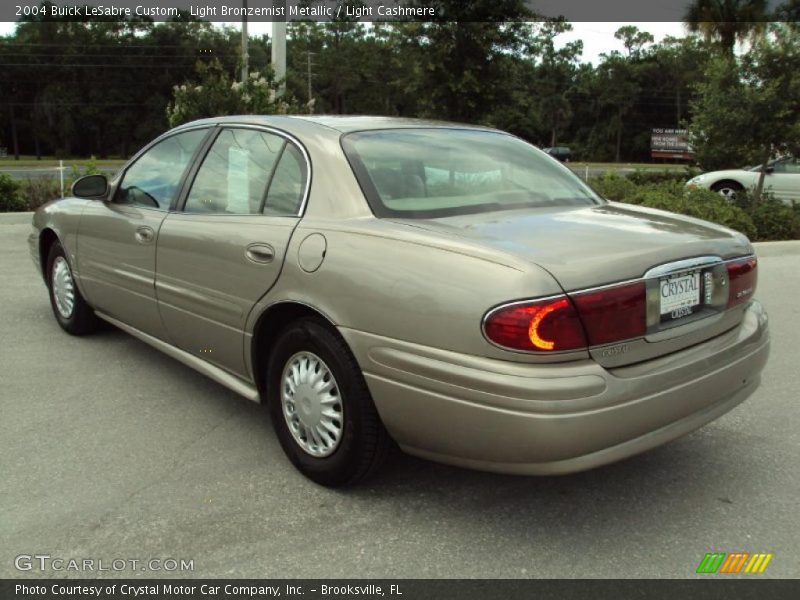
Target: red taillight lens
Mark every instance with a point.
(542, 326)
(614, 313)
(742, 277)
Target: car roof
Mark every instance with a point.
(340, 123)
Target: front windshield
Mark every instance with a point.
(436, 172)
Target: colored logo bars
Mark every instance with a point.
(735, 562)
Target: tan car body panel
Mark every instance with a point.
(409, 299)
(553, 419)
(205, 304)
(116, 272)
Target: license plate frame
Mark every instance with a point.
(680, 295)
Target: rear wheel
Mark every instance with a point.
(321, 408)
(72, 312)
(727, 189)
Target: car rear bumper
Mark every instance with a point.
(556, 418)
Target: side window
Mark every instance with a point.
(154, 178)
(286, 188)
(787, 165)
(233, 177)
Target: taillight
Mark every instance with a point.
(603, 316)
(742, 279)
(547, 325)
(613, 313)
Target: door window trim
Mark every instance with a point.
(201, 147)
(180, 205)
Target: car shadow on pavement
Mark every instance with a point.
(667, 482)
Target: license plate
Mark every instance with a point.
(679, 295)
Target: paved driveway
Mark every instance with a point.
(112, 450)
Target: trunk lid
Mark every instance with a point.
(595, 246)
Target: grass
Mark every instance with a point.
(50, 162)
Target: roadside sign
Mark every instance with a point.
(670, 143)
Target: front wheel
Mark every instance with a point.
(727, 189)
(321, 408)
(72, 312)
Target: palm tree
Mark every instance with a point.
(726, 21)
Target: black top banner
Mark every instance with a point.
(375, 10)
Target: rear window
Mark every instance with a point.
(427, 173)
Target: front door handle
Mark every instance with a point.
(260, 253)
(144, 234)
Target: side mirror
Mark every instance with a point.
(92, 187)
(770, 170)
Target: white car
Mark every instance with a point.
(782, 180)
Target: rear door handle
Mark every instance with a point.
(144, 234)
(260, 253)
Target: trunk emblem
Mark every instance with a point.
(615, 350)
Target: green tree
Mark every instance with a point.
(726, 21)
(634, 40)
(618, 90)
(676, 64)
(555, 76)
(788, 12)
(463, 71)
(747, 108)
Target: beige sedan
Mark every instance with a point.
(447, 288)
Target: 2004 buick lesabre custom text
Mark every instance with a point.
(448, 287)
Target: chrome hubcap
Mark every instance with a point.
(312, 404)
(727, 193)
(63, 287)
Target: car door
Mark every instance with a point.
(785, 179)
(224, 250)
(117, 239)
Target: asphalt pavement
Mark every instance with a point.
(112, 450)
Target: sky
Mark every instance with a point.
(598, 38)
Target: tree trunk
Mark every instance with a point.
(761, 175)
(728, 39)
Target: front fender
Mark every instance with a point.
(62, 217)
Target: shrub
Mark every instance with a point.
(775, 221)
(665, 188)
(77, 171)
(613, 186)
(217, 93)
(645, 176)
(10, 198)
(701, 204)
(39, 190)
(35, 191)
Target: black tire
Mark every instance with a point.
(82, 320)
(727, 189)
(364, 442)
